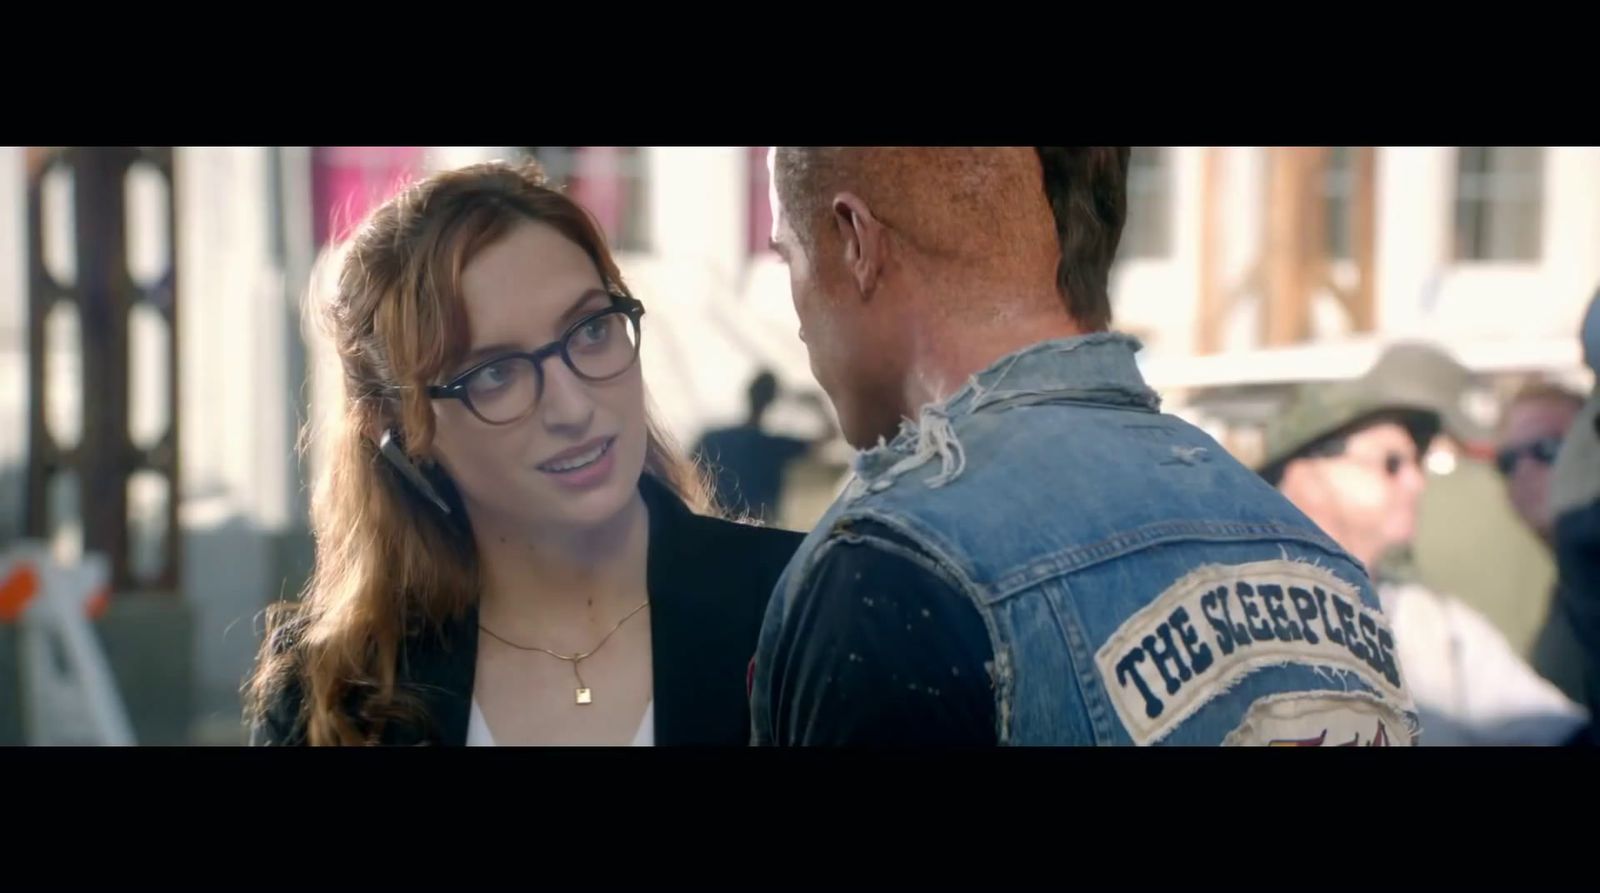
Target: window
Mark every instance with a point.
(609, 181)
(1499, 200)
(1338, 192)
(1148, 232)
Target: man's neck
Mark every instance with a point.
(948, 354)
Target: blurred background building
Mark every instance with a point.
(152, 397)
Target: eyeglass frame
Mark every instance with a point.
(456, 387)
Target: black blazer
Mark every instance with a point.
(709, 582)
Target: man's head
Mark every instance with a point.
(1362, 487)
(1589, 334)
(762, 391)
(894, 251)
(1535, 422)
(1348, 455)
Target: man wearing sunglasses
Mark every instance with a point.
(1535, 422)
(1349, 455)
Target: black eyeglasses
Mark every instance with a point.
(1544, 450)
(506, 388)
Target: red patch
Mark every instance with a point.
(16, 591)
(1380, 738)
(1299, 742)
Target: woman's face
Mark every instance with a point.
(575, 459)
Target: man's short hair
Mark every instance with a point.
(1541, 390)
(1088, 191)
(983, 207)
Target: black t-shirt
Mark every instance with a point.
(881, 648)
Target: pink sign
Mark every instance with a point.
(347, 182)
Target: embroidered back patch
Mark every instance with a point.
(1220, 623)
(1335, 719)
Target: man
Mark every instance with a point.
(748, 461)
(1030, 552)
(1535, 422)
(1570, 642)
(1349, 455)
(1476, 563)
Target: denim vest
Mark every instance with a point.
(1139, 585)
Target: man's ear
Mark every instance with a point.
(863, 238)
(1301, 485)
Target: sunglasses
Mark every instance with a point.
(1543, 450)
(1392, 462)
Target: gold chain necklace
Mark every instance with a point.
(582, 694)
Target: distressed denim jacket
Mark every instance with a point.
(1139, 585)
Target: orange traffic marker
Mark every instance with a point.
(16, 591)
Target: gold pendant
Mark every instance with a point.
(583, 696)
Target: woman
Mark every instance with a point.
(507, 547)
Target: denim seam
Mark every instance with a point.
(1077, 654)
(1078, 558)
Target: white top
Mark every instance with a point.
(1468, 683)
(478, 734)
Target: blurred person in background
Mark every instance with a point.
(1349, 454)
(748, 462)
(1536, 421)
(508, 549)
(1469, 540)
(1570, 640)
(1416, 373)
(1031, 552)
